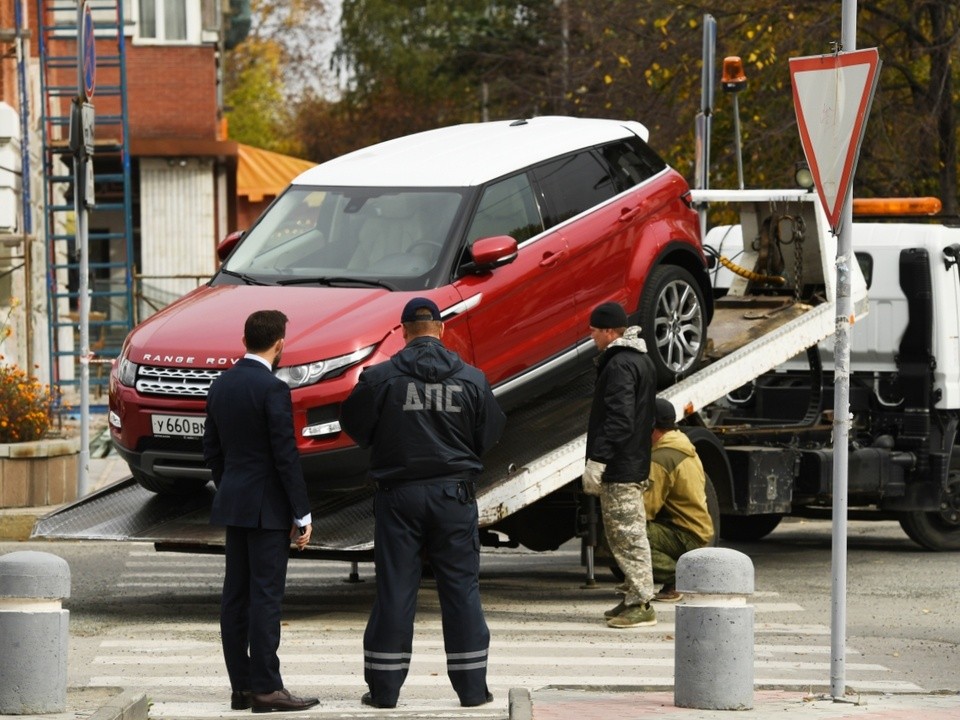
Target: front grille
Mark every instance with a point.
(177, 382)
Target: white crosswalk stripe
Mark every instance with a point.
(564, 643)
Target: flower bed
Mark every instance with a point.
(39, 472)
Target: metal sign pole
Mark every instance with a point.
(841, 412)
(81, 141)
(83, 483)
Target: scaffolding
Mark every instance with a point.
(111, 254)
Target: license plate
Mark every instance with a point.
(178, 425)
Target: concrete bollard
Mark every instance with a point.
(33, 633)
(713, 653)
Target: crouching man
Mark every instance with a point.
(675, 501)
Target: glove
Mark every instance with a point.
(593, 476)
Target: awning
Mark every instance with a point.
(261, 173)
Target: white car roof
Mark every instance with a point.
(467, 155)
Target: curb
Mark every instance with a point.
(17, 523)
(128, 705)
(519, 704)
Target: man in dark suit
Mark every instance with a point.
(261, 497)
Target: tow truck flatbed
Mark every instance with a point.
(343, 522)
(543, 446)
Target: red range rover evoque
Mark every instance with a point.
(517, 230)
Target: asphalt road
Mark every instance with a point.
(902, 602)
(149, 620)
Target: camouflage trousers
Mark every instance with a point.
(625, 525)
(667, 544)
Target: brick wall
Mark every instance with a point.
(8, 63)
(171, 92)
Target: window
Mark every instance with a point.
(163, 19)
(176, 22)
(507, 208)
(632, 162)
(574, 184)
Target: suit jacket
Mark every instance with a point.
(249, 446)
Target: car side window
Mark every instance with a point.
(507, 207)
(631, 161)
(573, 184)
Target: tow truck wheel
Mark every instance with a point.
(747, 528)
(936, 530)
(673, 322)
(168, 486)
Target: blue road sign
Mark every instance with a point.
(88, 52)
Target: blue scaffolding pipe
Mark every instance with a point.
(24, 119)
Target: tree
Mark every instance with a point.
(267, 73)
(418, 64)
(914, 135)
(257, 109)
(440, 63)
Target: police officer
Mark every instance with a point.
(427, 417)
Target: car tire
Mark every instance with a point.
(748, 528)
(673, 323)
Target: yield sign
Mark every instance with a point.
(832, 95)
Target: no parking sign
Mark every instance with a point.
(87, 51)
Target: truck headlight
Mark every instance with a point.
(126, 372)
(299, 375)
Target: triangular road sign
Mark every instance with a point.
(832, 95)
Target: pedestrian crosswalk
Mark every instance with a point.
(546, 632)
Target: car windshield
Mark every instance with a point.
(395, 235)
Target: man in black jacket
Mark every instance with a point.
(428, 418)
(618, 456)
(248, 444)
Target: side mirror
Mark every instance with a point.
(951, 255)
(227, 245)
(492, 252)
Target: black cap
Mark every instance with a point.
(607, 316)
(411, 310)
(665, 416)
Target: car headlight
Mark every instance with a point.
(127, 372)
(299, 375)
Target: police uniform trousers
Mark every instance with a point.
(438, 518)
(251, 605)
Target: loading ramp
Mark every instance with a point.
(343, 522)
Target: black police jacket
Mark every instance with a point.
(425, 414)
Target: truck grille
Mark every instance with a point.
(178, 382)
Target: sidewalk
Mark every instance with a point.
(767, 705)
(569, 704)
(93, 703)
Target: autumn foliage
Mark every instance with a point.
(25, 406)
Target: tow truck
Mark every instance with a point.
(529, 492)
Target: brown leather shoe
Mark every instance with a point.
(280, 701)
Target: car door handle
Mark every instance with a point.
(550, 258)
(627, 214)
